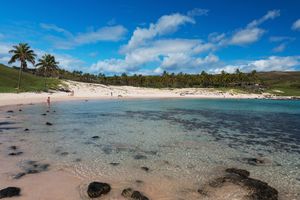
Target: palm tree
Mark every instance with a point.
(23, 54)
(47, 64)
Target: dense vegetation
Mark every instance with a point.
(30, 82)
(181, 80)
(280, 83)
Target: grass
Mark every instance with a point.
(281, 83)
(29, 83)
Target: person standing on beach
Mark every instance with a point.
(48, 102)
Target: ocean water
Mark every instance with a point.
(184, 142)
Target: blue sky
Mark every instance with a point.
(148, 37)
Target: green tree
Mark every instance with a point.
(23, 54)
(47, 65)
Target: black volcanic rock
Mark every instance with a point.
(258, 190)
(49, 124)
(10, 192)
(96, 189)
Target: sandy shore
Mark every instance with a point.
(98, 91)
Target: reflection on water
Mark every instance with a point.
(190, 141)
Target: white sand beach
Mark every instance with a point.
(98, 91)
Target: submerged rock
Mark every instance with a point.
(10, 111)
(256, 161)
(44, 114)
(95, 137)
(127, 192)
(15, 153)
(19, 175)
(240, 172)
(96, 189)
(13, 147)
(26, 129)
(10, 192)
(114, 163)
(258, 190)
(136, 195)
(49, 124)
(146, 169)
(31, 167)
(131, 194)
(140, 157)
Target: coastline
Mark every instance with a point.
(88, 91)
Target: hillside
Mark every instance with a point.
(281, 83)
(9, 81)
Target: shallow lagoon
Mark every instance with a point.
(184, 143)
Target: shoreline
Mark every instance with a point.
(64, 183)
(88, 91)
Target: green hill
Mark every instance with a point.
(30, 82)
(281, 83)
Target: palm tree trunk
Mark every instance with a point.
(20, 74)
(45, 79)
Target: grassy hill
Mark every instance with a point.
(281, 83)
(30, 82)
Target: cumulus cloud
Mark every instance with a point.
(252, 33)
(165, 25)
(147, 46)
(296, 25)
(272, 63)
(107, 33)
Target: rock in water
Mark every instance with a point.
(240, 172)
(9, 192)
(258, 190)
(140, 157)
(127, 193)
(48, 123)
(146, 169)
(136, 195)
(96, 189)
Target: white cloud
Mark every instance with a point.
(247, 36)
(165, 25)
(272, 14)
(170, 54)
(252, 33)
(197, 12)
(53, 27)
(146, 46)
(281, 38)
(296, 25)
(107, 33)
(272, 63)
(279, 48)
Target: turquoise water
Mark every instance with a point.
(188, 140)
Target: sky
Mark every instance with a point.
(151, 36)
